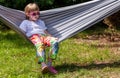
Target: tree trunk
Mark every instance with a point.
(113, 21)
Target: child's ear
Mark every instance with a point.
(27, 14)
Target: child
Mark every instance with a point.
(36, 31)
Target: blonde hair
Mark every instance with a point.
(31, 7)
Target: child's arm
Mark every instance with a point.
(23, 26)
(46, 32)
(49, 34)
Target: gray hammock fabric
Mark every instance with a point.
(67, 21)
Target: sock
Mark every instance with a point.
(49, 63)
(43, 64)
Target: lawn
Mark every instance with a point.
(88, 54)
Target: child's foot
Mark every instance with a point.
(45, 69)
(52, 70)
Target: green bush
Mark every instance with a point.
(44, 4)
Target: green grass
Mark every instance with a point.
(76, 59)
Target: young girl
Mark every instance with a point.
(36, 31)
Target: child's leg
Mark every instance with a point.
(53, 50)
(38, 42)
(53, 43)
(54, 47)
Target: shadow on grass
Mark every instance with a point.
(14, 38)
(75, 67)
(117, 45)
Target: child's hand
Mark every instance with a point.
(56, 38)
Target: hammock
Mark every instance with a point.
(67, 21)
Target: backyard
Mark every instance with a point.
(93, 53)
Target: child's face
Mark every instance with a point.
(34, 15)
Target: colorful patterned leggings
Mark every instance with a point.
(41, 42)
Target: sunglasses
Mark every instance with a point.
(35, 13)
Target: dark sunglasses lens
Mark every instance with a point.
(34, 14)
(38, 13)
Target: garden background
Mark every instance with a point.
(93, 53)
